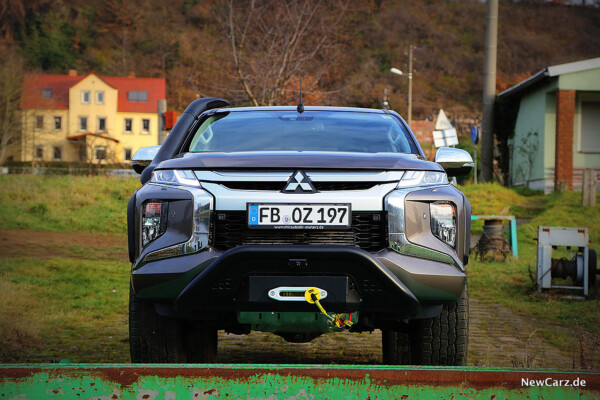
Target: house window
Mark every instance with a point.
(57, 153)
(57, 123)
(85, 97)
(128, 124)
(127, 155)
(83, 124)
(39, 122)
(99, 97)
(39, 152)
(101, 124)
(145, 126)
(100, 153)
(47, 93)
(137, 95)
(590, 123)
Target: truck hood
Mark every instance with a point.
(299, 160)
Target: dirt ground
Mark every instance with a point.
(498, 336)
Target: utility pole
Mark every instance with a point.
(489, 92)
(410, 75)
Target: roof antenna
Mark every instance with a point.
(300, 107)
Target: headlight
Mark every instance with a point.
(175, 178)
(154, 221)
(422, 178)
(443, 222)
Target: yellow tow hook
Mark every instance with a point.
(313, 295)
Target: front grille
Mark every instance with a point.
(368, 231)
(320, 186)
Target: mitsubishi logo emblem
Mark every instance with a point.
(299, 183)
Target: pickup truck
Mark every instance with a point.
(298, 221)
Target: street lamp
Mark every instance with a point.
(409, 76)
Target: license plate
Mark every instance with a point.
(299, 216)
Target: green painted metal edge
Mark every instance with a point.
(273, 382)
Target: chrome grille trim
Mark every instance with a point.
(284, 176)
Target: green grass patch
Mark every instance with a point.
(512, 283)
(48, 306)
(65, 203)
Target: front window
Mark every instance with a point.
(57, 153)
(128, 124)
(39, 122)
(337, 131)
(83, 124)
(101, 124)
(85, 97)
(39, 152)
(145, 126)
(58, 123)
(100, 153)
(99, 97)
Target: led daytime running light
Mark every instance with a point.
(175, 177)
(422, 178)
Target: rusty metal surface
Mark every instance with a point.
(215, 381)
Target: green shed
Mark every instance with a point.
(557, 127)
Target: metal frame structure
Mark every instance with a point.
(550, 237)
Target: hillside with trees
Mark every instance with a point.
(255, 51)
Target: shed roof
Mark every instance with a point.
(552, 71)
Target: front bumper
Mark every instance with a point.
(211, 281)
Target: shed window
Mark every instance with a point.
(590, 127)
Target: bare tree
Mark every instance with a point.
(11, 67)
(274, 41)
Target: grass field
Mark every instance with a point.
(65, 204)
(78, 285)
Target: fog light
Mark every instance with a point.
(443, 222)
(154, 221)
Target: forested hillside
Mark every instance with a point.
(254, 51)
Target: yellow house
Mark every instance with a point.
(91, 118)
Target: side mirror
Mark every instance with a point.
(456, 162)
(143, 157)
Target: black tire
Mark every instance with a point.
(201, 344)
(395, 347)
(157, 339)
(442, 340)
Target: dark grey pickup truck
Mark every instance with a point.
(300, 222)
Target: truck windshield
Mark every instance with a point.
(310, 131)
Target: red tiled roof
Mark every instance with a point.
(33, 84)
(154, 86)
